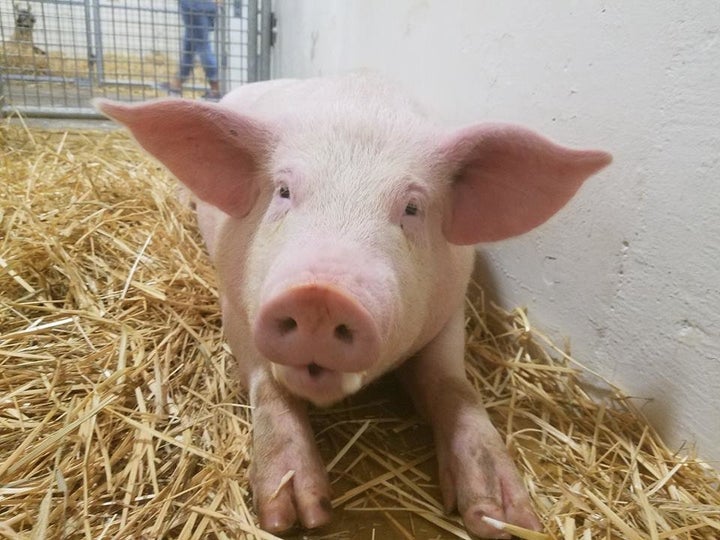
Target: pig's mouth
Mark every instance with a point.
(319, 385)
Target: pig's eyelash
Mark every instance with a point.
(412, 209)
(415, 198)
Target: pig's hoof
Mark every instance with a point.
(310, 509)
(478, 477)
(289, 481)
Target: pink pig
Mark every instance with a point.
(341, 223)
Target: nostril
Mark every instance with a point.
(344, 334)
(286, 325)
(314, 370)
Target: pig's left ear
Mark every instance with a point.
(215, 152)
(508, 180)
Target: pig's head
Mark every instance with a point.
(344, 235)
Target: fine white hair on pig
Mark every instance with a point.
(341, 223)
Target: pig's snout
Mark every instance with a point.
(319, 329)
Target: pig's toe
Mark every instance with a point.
(302, 497)
(521, 515)
(498, 493)
(292, 504)
(519, 511)
(314, 508)
(277, 514)
(475, 524)
(478, 499)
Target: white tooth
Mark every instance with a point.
(351, 382)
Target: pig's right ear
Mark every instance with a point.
(215, 152)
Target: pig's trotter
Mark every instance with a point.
(288, 478)
(477, 475)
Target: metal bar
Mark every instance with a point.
(76, 41)
(221, 33)
(51, 89)
(89, 41)
(51, 112)
(265, 37)
(99, 51)
(252, 50)
(40, 78)
(4, 61)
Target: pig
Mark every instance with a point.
(342, 222)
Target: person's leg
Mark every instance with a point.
(188, 50)
(205, 51)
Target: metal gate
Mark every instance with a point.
(58, 54)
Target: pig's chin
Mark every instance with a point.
(321, 388)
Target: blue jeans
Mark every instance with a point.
(199, 19)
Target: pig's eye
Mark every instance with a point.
(411, 209)
(284, 192)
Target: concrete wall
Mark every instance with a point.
(629, 271)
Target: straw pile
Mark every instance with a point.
(145, 72)
(20, 57)
(120, 417)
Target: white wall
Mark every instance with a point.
(629, 271)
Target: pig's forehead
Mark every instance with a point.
(342, 165)
(381, 147)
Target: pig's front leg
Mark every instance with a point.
(477, 475)
(287, 476)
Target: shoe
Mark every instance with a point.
(210, 95)
(173, 92)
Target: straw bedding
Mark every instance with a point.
(20, 55)
(120, 416)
